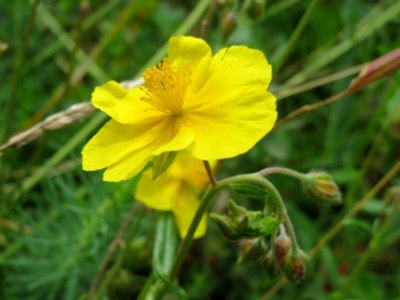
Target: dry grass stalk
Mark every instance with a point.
(73, 114)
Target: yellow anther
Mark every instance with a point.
(165, 87)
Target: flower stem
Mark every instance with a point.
(280, 170)
(281, 208)
(187, 241)
(145, 290)
(339, 226)
(255, 178)
(210, 174)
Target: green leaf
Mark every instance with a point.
(162, 162)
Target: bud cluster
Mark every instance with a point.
(241, 223)
(283, 258)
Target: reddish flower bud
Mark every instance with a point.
(377, 69)
(295, 266)
(270, 265)
(251, 249)
(282, 247)
(228, 24)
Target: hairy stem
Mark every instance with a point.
(280, 170)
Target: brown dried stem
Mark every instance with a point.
(71, 115)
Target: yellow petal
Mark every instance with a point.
(184, 208)
(157, 194)
(115, 140)
(176, 137)
(127, 167)
(124, 106)
(189, 170)
(184, 49)
(229, 70)
(233, 128)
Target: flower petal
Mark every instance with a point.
(127, 167)
(233, 128)
(184, 208)
(229, 70)
(116, 140)
(189, 170)
(157, 194)
(184, 49)
(124, 106)
(176, 137)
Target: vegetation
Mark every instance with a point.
(66, 234)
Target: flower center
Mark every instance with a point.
(165, 87)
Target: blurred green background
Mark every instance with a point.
(57, 222)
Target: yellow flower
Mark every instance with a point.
(213, 106)
(176, 190)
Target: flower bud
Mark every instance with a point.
(320, 186)
(295, 266)
(248, 189)
(282, 247)
(254, 8)
(251, 249)
(236, 210)
(3, 47)
(270, 265)
(227, 24)
(226, 226)
(376, 69)
(224, 4)
(241, 223)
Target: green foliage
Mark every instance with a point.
(71, 224)
(57, 223)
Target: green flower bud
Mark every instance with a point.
(251, 249)
(236, 210)
(225, 224)
(320, 186)
(228, 24)
(248, 189)
(282, 246)
(295, 266)
(254, 8)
